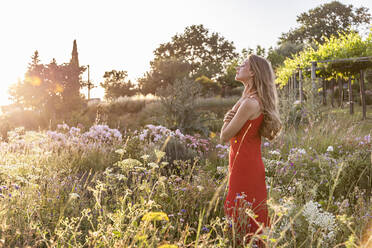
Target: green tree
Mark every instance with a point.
(206, 53)
(51, 89)
(32, 92)
(209, 87)
(163, 72)
(285, 50)
(116, 85)
(326, 20)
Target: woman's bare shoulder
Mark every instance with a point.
(252, 105)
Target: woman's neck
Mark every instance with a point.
(249, 91)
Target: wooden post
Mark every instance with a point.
(357, 81)
(362, 95)
(295, 86)
(300, 84)
(324, 91)
(313, 77)
(332, 91)
(350, 96)
(341, 92)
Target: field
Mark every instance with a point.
(154, 187)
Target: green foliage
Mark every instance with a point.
(347, 45)
(285, 50)
(206, 53)
(116, 85)
(51, 89)
(179, 102)
(209, 87)
(327, 20)
(176, 150)
(164, 71)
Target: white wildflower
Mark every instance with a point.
(74, 196)
(330, 149)
(316, 216)
(274, 152)
(200, 188)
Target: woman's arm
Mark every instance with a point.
(225, 124)
(231, 128)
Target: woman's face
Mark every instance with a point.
(244, 72)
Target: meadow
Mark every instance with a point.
(97, 186)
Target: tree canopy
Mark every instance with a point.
(194, 53)
(51, 89)
(116, 85)
(327, 20)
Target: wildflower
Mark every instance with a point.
(200, 188)
(145, 157)
(205, 229)
(74, 196)
(153, 165)
(155, 216)
(159, 154)
(183, 210)
(266, 144)
(274, 152)
(315, 216)
(120, 151)
(128, 163)
(301, 151)
(330, 149)
(367, 138)
(168, 246)
(212, 135)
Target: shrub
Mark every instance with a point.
(179, 103)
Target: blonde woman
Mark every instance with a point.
(255, 115)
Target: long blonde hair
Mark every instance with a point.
(264, 82)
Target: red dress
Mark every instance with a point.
(247, 186)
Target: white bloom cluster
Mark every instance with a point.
(222, 170)
(330, 149)
(274, 152)
(317, 217)
(296, 154)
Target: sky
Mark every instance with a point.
(122, 35)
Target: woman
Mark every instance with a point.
(254, 115)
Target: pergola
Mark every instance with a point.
(352, 66)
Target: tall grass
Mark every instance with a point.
(139, 192)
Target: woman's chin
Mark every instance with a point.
(237, 78)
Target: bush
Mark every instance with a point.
(179, 104)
